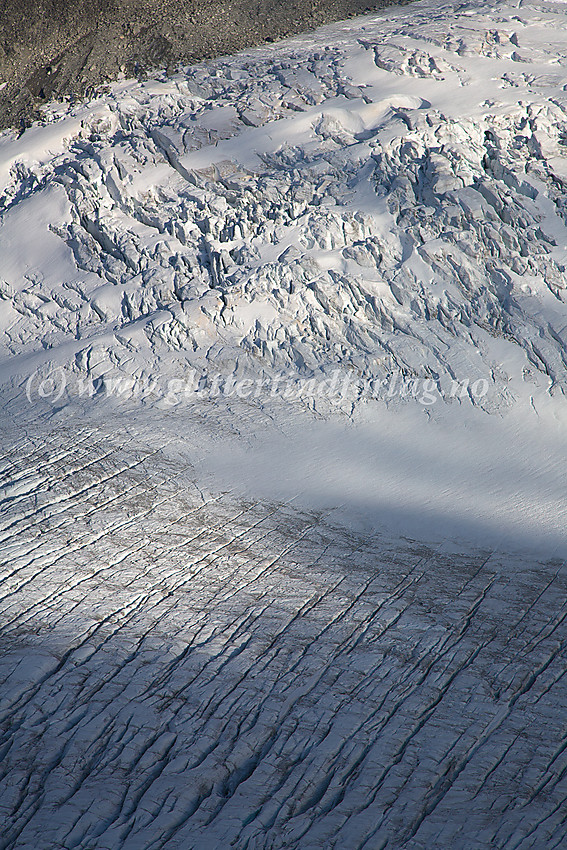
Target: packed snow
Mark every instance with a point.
(283, 340)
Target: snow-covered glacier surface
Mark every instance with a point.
(282, 372)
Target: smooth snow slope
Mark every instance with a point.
(282, 372)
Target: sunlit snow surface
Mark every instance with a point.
(309, 619)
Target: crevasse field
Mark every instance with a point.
(283, 349)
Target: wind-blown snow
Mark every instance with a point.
(328, 275)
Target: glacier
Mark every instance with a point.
(282, 502)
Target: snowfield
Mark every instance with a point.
(283, 342)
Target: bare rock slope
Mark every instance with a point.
(55, 48)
